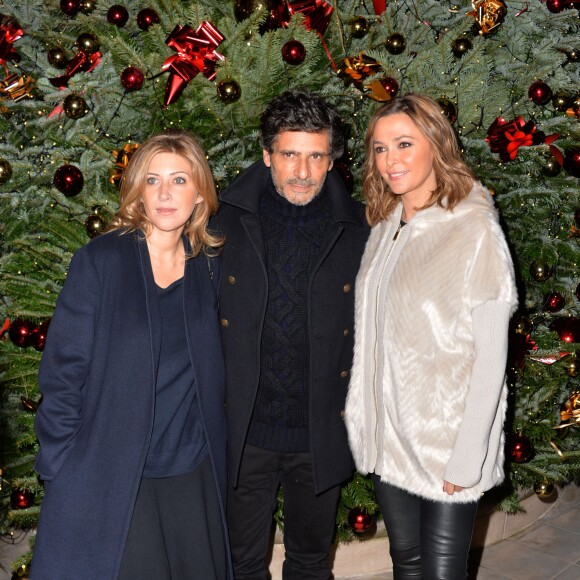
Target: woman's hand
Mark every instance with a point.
(451, 488)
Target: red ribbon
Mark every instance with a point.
(82, 62)
(317, 13)
(506, 137)
(195, 54)
(380, 6)
(10, 32)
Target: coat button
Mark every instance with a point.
(231, 280)
(346, 288)
(344, 374)
(224, 322)
(346, 332)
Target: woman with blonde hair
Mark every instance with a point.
(434, 296)
(132, 425)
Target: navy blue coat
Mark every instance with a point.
(330, 303)
(97, 379)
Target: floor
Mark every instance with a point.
(547, 550)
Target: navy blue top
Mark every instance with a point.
(178, 444)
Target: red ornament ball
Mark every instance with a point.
(572, 162)
(359, 520)
(20, 331)
(21, 499)
(38, 335)
(293, 52)
(555, 6)
(390, 85)
(117, 15)
(132, 78)
(554, 302)
(70, 7)
(567, 327)
(147, 18)
(68, 179)
(521, 449)
(540, 92)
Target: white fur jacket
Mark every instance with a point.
(412, 414)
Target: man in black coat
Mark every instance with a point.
(294, 239)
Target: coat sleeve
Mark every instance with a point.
(475, 436)
(65, 365)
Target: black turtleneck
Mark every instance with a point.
(293, 235)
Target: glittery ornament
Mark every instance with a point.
(132, 78)
(544, 489)
(229, 91)
(359, 27)
(359, 520)
(74, 106)
(460, 46)
(521, 449)
(69, 180)
(87, 43)
(70, 7)
(293, 52)
(540, 270)
(20, 331)
(396, 43)
(539, 92)
(117, 15)
(147, 18)
(5, 171)
(57, 57)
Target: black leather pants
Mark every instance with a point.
(429, 540)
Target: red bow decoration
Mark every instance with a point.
(10, 32)
(82, 62)
(380, 6)
(506, 137)
(195, 54)
(317, 13)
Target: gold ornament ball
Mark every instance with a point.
(87, 43)
(523, 325)
(573, 366)
(57, 57)
(396, 43)
(359, 27)
(74, 106)
(460, 46)
(5, 171)
(544, 489)
(229, 91)
(551, 167)
(540, 271)
(562, 101)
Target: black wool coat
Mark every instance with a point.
(330, 306)
(97, 378)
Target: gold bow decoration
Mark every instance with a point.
(122, 157)
(488, 14)
(570, 411)
(16, 88)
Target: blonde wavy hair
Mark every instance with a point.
(131, 214)
(454, 178)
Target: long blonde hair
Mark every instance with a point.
(454, 178)
(131, 214)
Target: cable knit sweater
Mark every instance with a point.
(421, 409)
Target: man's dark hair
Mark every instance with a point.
(301, 111)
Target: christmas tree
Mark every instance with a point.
(85, 81)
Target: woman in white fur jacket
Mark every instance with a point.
(434, 296)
